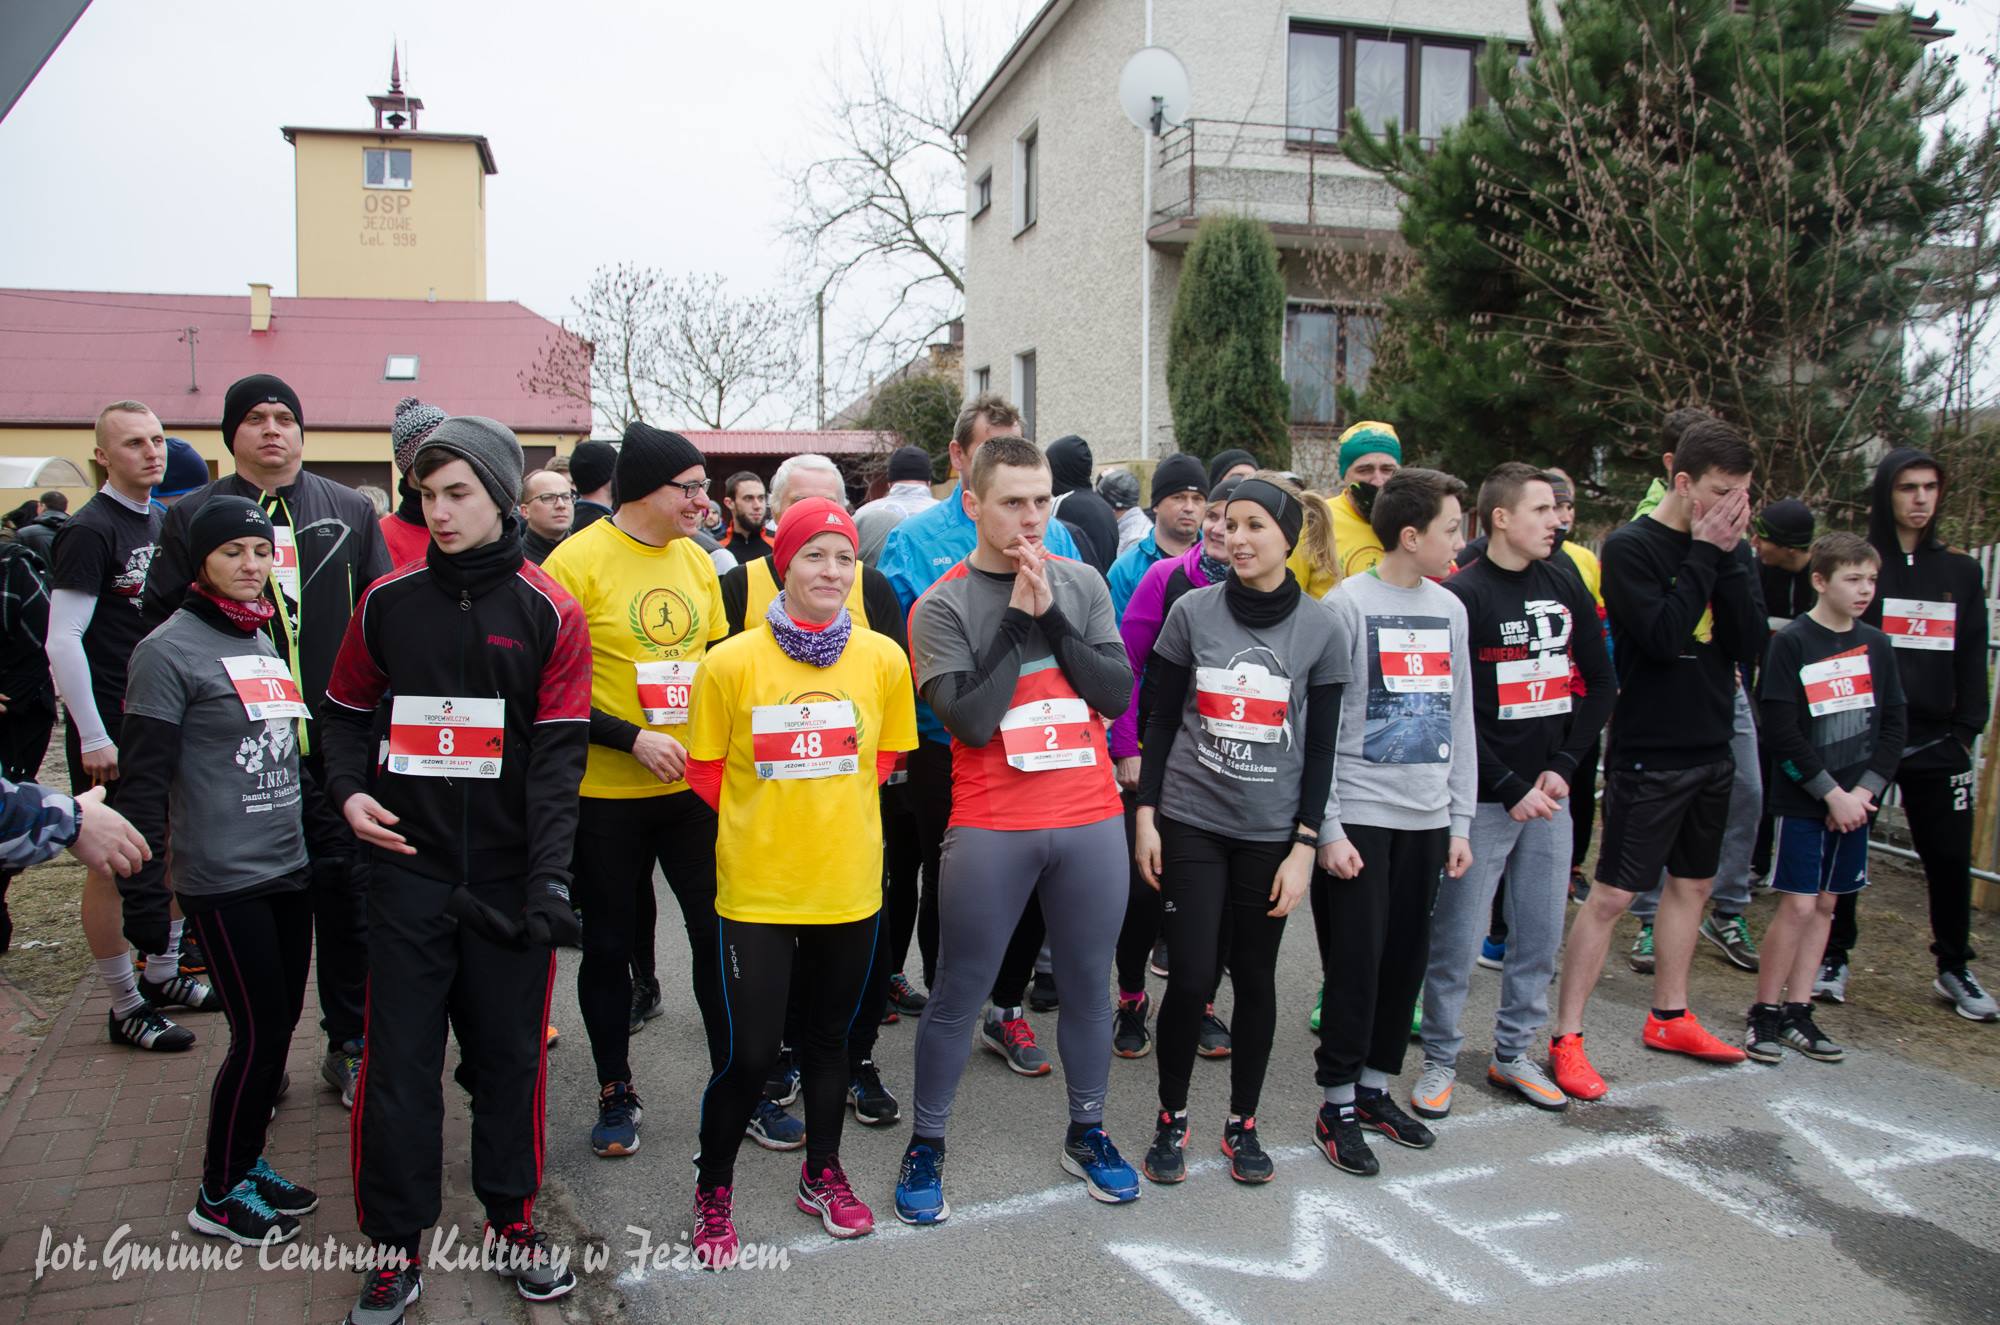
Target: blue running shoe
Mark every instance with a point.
(281, 1193)
(1103, 1170)
(1492, 953)
(618, 1117)
(774, 1129)
(920, 1187)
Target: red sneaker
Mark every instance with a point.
(1572, 1070)
(1686, 1035)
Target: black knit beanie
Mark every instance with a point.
(908, 464)
(649, 460)
(1179, 473)
(246, 394)
(222, 519)
(591, 465)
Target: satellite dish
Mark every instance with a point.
(1153, 89)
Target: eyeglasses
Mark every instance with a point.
(698, 488)
(556, 499)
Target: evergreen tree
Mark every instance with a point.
(921, 409)
(1225, 371)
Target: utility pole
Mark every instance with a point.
(188, 336)
(819, 320)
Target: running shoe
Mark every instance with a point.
(1732, 935)
(145, 1027)
(1214, 1041)
(1686, 1035)
(1801, 1032)
(243, 1216)
(1042, 996)
(873, 1105)
(889, 1015)
(618, 1113)
(1830, 986)
(1640, 958)
(1312, 1022)
(646, 1004)
(1166, 1158)
(1761, 1028)
(1492, 953)
(1579, 887)
(551, 1037)
(829, 1196)
(1247, 1161)
(1014, 1040)
(341, 1069)
(714, 1237)
(1431, 1096)
(782, 1086)
(1572, 1070)
(1378, 1112)
(903, 996)
(385, 1293)
(920, 1187)
(1339, 1136)
(1106, 1175)
(520, 1252)
(193, 961)
(1524, 1076)
(181, 991)
(1962, 990)
(774, 1129)
(1129, 1036)
(1158, 964)
(281, 1193)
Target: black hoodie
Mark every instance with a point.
(1944, 687)
(1089, 517)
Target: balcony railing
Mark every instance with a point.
(1285, 174)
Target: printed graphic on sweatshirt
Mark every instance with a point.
(263, 758)
(1840, 702)
(131, 578)
(1409, 691)
(1246, 718)
(1531, 663)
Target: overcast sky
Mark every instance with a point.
(146, 155)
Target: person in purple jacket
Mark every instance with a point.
(1145, 615)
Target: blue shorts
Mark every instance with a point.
(1813, 859)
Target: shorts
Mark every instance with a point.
(1666, 818)
(1813, 859)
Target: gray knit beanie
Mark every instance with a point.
(414, 421)
(489, 446)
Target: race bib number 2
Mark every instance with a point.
(804, 740)
(265, 687)
(434, 736)
(1839, 683)
(1912, 623)
(1415, 661)
(1046, 734)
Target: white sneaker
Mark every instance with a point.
(1431, 1096)
(1830, 986)
(1962, 990)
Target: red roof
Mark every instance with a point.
(831, 442)
(64, 354)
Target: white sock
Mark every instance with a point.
(1373, 1080)
(1339, 1096)
(116, 972)
(997, 1015)
(165, 965)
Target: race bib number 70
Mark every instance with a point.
(265, 686)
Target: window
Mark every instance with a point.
(982, 193)
(386, 167)
(1428, 83)
(982, 381)
(1027, 178)
(400, 368)
(1024, 392)
(1325, 348)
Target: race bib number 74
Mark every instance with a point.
(1912, 623)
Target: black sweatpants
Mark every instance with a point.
(1583, 805)
(930, 803)
(902, 863)
(754, 964)
(258, 951)
(1141, 929)
(1215, 895)
(1374, 943)
(339, 889)
(645, 931)
(617, 844)
(1938, 805)
(424, 970)
(874, 1001)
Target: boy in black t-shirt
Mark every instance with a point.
(1835, 722)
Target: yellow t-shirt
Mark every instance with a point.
(645, 604)
(792, 848)
(1354, 540)
(1314, 582)
(1589, 568)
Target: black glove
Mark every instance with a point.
(548, 919)
(487, 922)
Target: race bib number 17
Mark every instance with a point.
(1536, 687)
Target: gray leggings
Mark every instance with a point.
(983, 885)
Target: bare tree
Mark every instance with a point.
(604, 354)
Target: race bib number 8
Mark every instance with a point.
(664, 688)
(432, 736)
(804, 740)
(1912, 623)
(265, 687)
(1839, 683)
(1047, 734)
(1243, 703)
(1536, 687)
(1415, 661)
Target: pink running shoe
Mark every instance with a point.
(838, 1208)
(714, 1233)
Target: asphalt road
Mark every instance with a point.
(1864, 1191)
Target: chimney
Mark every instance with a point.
(260, 307)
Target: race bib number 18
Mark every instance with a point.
(1046, 734)
(265, 687)
(804, 740)
(1911, 623)
(432, 736)
(1415, 661)
(1839, 683)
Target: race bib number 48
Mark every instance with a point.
(1415, 661)
(1534, 687)
(432, 736)
(1048, 733)
(265, 687)
(1912, 623)
(1839, 683)
(1241, 703)
(664, 688)
(804, 740)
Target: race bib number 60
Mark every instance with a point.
(434, 736)
(664, 688)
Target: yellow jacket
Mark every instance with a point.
(1354, 541)
(1588, 568)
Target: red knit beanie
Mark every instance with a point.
(805, 520)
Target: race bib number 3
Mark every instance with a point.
(804, 740)
(1839, 683)
(1912, 623)
(432, 736)
(1243, 703)
(1047, 734)
(1415, 661)
(664, 688)
(1536, 687)
(265, 687)
(285, 561)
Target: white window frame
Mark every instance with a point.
(390, 180)
(1027, 376)
(982, 194)
(1027, 177)
(391, 367)
(982, 381)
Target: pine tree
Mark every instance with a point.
(1225, 373)
(921, 410)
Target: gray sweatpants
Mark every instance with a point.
(1739, 837)
(1535, 858)
(983, 885)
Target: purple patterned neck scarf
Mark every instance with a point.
(821, 648)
